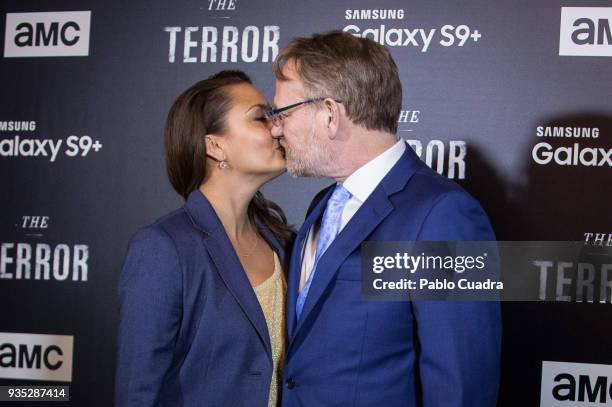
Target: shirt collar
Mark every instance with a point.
(362, 182)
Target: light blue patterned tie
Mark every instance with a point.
(329, 230)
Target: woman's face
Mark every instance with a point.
(248, 144)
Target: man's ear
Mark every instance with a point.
(214, 147)
(332, 119)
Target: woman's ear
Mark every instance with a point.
(214, 147)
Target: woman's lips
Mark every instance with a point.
(280, 148)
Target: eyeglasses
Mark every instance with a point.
(278, 115)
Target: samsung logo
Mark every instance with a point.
(567, 132)
(17, 125)
(375, 14)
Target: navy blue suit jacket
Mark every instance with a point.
(344, 351)
(192, 332)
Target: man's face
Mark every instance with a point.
(307, 154)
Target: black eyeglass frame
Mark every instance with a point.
(275, 114)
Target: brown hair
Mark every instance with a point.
(358, 71)
(198, 111)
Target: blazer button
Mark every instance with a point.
(290, 383)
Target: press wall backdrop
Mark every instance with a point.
(512, 100)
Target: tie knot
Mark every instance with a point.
(340, 194)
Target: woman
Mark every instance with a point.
(202, 291)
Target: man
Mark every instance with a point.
(340, 99)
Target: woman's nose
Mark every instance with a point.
(276, 131)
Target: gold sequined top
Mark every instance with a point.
(272, 296)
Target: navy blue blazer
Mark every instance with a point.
(344, 351)
(191, 332)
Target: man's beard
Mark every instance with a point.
(310, 160)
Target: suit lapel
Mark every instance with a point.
(371, 213)
(228, 265)
(229, 268)
(295, 269)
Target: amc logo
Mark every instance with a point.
(586, 31)
(36, 357)
(47, 34)
(575, 384)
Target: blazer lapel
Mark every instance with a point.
(227, 263)
(371, 213)
(295, 268)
